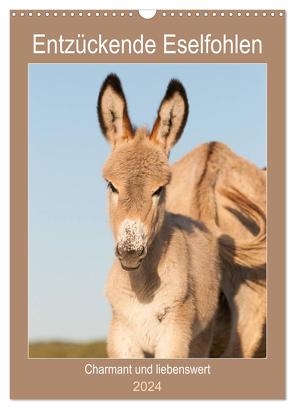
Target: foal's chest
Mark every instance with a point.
(146, 321)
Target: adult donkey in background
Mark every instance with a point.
(240, 329)
(165, 283)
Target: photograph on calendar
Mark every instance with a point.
(147, 210)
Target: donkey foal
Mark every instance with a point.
(165, 281)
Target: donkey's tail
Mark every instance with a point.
(249, 254)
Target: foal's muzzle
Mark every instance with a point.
(130, 259)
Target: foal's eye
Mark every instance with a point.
(112, 187)
(158, 191)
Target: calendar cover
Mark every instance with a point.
(147, 204)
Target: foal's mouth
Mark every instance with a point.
(130, 260)
(128, 268)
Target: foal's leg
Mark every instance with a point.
(121, 342)
(250, 306)
(201, 343)
(176, 333)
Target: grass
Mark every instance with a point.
(96, 349)
(57, 349)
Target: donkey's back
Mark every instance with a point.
(197, 179)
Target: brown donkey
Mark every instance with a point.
(164, 285)
(206, 170)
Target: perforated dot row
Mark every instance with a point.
(163, 13)
(222, 14)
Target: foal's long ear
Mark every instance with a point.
(172, 116)
(112, 111)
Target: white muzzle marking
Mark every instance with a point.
(132, 236)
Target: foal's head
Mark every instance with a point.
(137, 169)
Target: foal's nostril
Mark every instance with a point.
(140, 251)
(118, 251)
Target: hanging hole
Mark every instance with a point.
(147, 14)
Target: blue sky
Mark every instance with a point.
(70, 242)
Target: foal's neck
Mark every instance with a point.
(147, 279)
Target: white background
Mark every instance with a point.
(4, 194)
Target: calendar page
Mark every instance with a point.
(147, 204)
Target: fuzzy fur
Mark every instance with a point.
(239, 221)
(165, 302)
